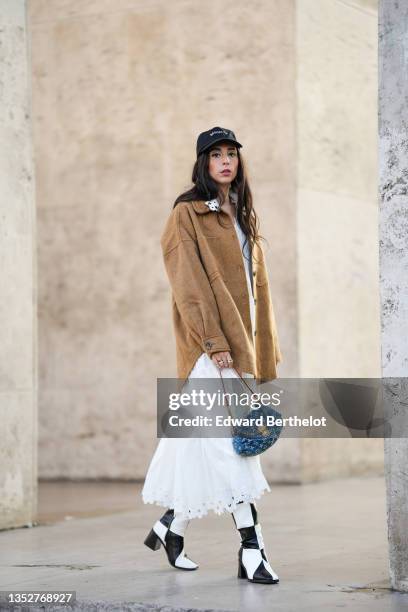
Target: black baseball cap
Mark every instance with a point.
(216, 134)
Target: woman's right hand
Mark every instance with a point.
(223, 360)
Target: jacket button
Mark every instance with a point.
(208, 344)
(255, 301)
(255, 333)
(253, 273)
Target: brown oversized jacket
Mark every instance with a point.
(210, 302)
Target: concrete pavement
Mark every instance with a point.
(327, 541)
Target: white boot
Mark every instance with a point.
(169, 531)
(252, 560)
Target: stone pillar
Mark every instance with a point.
(18, 345)
(393, 156)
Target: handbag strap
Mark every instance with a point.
(223, 386)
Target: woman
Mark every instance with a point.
(224, 322)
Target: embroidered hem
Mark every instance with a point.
(220, 505)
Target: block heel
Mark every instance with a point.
(241, 569)
(153, 541)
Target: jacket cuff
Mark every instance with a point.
(215, 344)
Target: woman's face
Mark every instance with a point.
(223, 163)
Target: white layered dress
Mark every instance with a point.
(195, 475)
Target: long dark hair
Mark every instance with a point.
(205, 188)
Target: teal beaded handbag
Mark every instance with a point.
(253, 439)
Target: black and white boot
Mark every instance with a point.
(169, 531)
(253, 563)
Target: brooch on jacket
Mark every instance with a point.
(215, 205)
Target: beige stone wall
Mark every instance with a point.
(121, 89)
(18, 310)
(338, 271)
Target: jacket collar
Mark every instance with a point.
(204, 206)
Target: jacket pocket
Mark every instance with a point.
(210, 236)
